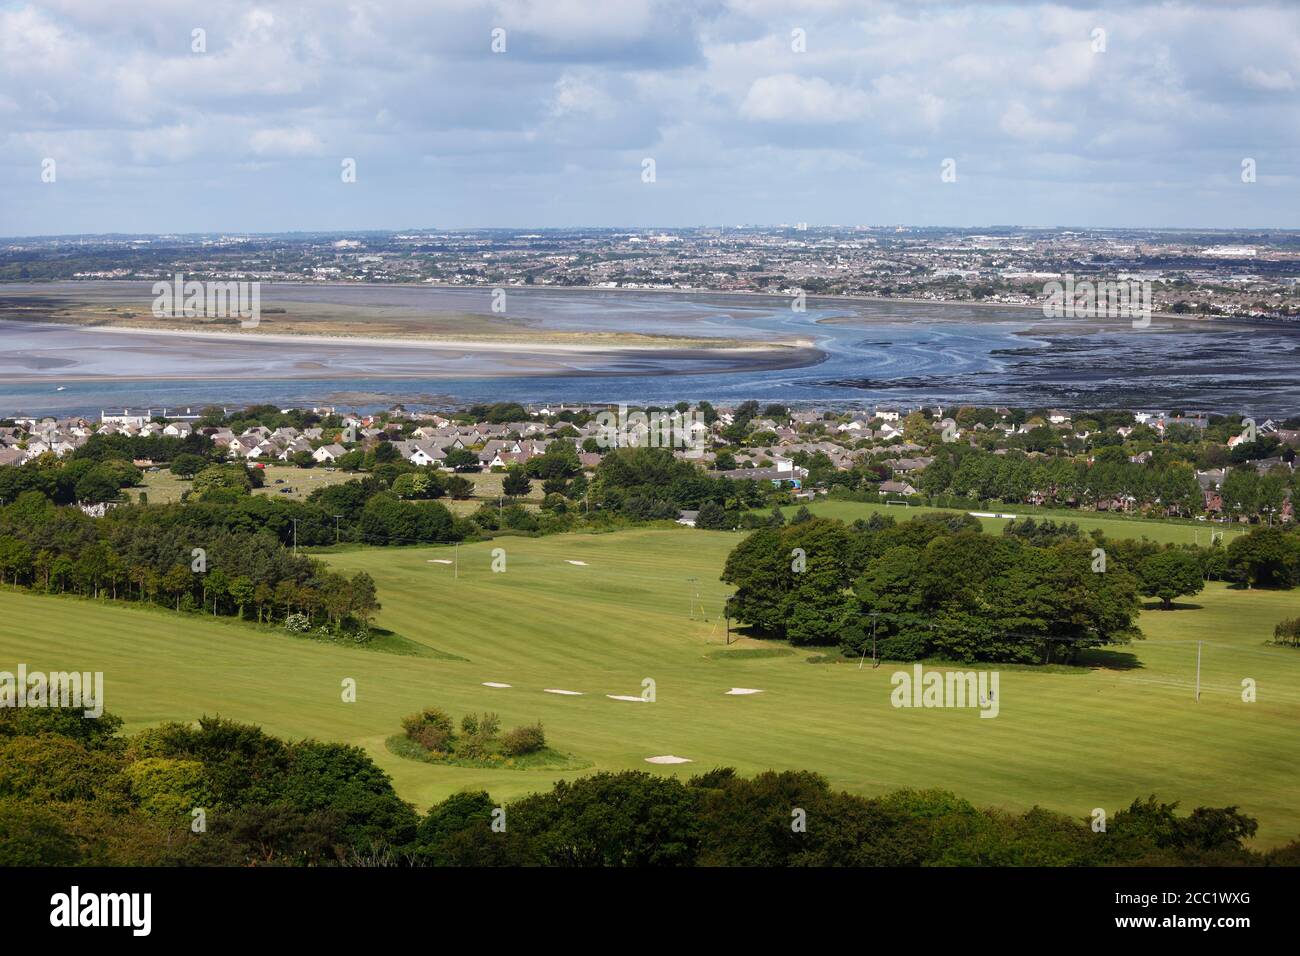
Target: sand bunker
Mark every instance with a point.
(580, 563)
(638, 700)
(667, 758)
(737, 691)
(492, 683)
(567, 693)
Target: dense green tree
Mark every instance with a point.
(713, 517)
(186, 466)
(222, 477)
(628, 819)
(35, 835)
(1266, 557)
(936, 584)
(516, 483)
(1170, 574)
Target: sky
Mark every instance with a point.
(172, 116)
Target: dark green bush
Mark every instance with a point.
(523, 740)
(431, 728)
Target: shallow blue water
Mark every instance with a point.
(898, 352)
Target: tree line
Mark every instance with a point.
(1159, 486)
(937, 586)
(220, 793)
(164, 556)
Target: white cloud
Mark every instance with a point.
(1020, 123)
(167, 144)
(287, 142)
(795, 99)
(1273, 81)
(1183, 90)
(574, 95)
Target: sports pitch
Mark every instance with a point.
(598, 614)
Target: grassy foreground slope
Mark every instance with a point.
(1070, 740)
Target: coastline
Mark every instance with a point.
(749, 293)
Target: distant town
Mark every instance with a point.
(1249, 274)
(1157, 463)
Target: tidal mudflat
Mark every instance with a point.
(566, 345)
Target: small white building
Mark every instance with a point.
(329, 453)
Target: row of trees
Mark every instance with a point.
(931, 586)
(75, 792)
(67, 482)
(650, 483)
(157, 555)
(630, 484)
(1015, 477)
(938, 586)
(1166, 487)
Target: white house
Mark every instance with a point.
(329, 453)
(128, 417)
(293, 448)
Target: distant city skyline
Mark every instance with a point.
(631, 229)
(118, 117)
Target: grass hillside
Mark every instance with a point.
(1069, 739)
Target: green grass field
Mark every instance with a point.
(163, 487)
(1070, 740)
(1114, 526)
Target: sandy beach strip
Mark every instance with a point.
(522, 344)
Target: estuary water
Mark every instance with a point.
(845, 351)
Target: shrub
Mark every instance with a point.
(477, 734)
(523, 740)
(1287, 632)
(31, 835)
(713, 517)
(907, 646)
(431, 728)
(166, 787)
(297, 623)
(354, 630)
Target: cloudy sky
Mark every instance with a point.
(753, 111)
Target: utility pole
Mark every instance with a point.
(875, 661)
(336, 528)
(295, 536)
(1198, 672)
